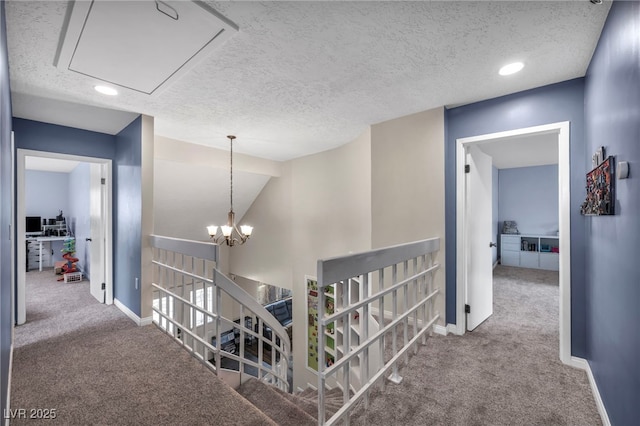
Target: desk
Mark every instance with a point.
(41, 240)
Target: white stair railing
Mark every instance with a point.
(396, 286)
(201, 309)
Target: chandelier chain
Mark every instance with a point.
(231, 172)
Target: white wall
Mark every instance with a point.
(385, 187)
(191, 189)
(332, 216)
(319, 207)
(407, 184)
(268, 256)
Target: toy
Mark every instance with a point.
(68, 250)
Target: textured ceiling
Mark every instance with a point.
(304, 77)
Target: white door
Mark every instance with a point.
(479, 282)
(96, 246)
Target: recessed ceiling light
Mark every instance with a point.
(511, 68)
(106, 90)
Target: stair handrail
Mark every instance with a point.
(218, 281)
(417, 268)
(244, 298)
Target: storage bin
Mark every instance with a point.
(73, 277)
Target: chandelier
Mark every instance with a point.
(229, 233)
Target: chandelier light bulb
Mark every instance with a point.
(226, 230)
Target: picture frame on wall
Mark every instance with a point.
(601, 198)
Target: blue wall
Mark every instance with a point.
(78, 215)
(46, 137)
(124, 149)
(6, 319)
(544, 105)
(46, 193)
(612, 113)
(128, 204)
(529, 195)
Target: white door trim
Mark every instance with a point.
(21, 314)
(564, 192)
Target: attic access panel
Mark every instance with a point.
(141, 45)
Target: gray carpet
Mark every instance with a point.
(506, 372)
(288, 409)
(94, 366)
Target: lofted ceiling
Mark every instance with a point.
(303, 77)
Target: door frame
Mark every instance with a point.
(564, 222)
(20, 295)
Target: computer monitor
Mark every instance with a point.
(33, 225)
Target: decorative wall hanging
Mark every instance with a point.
(601, 198)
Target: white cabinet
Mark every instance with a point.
(33, 254)
(510, 250)
(550, 261)
(530, 251)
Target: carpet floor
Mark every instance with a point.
(506, 372)
(94, 366)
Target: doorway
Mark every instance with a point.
(465, 237)
(99, 240)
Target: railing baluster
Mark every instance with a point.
(173, 269)
(395, 377)
(381, 321)
(414, 286)
(405, 307)
(346, 337)
(423, 293)
(365, 333)
(429, 285)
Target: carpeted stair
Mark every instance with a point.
(287, 409)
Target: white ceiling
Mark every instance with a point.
(49, 164)
(523, 151)
(304, 77)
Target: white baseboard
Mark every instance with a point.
(453, 329)
(146, 321)
(583, 364)
(440, 329)
(128, 312)
(495, 264)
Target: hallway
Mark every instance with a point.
(93, 365)
(506, 372)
